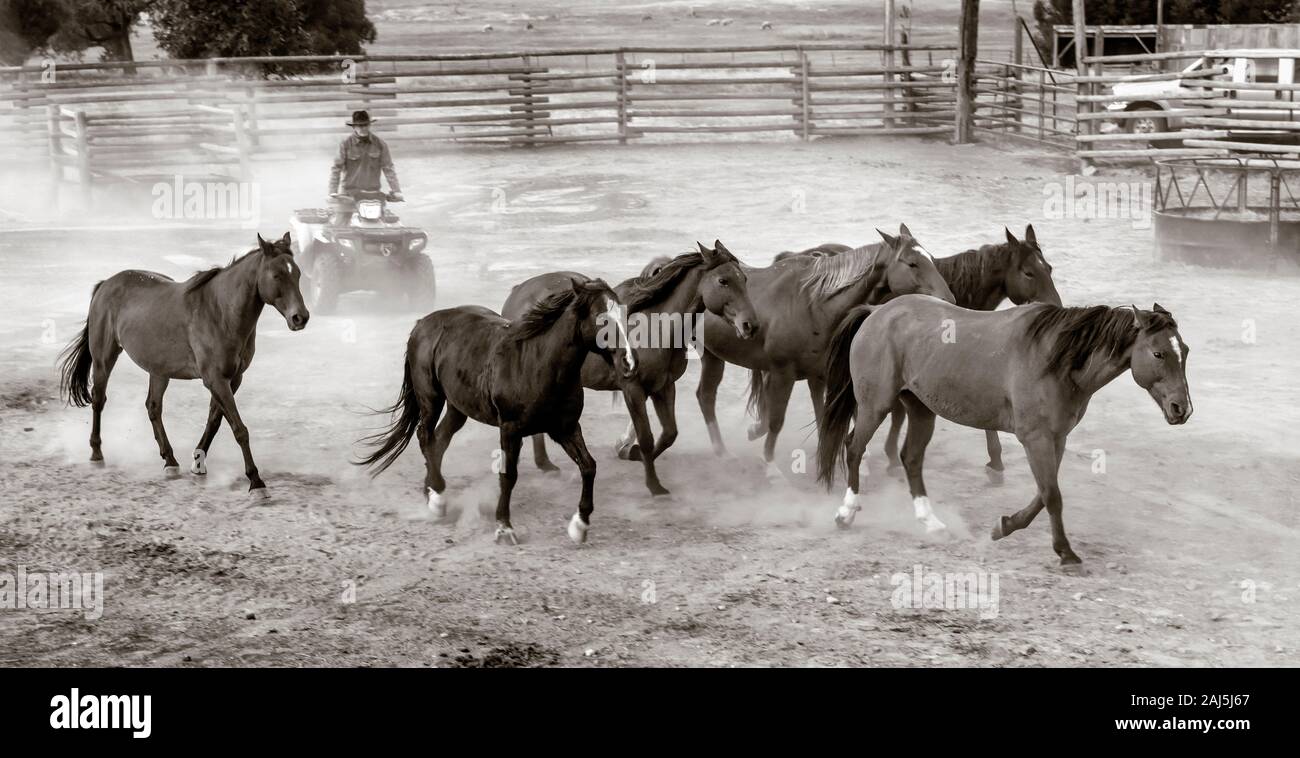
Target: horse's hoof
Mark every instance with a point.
(1002, 528)
(97, 462)
(172, 470)
(994, 475)
(847, 510)
(259, 494)
(578, 529)
(437, 504)
(507, 533)
(548, 468)
(934, 526)
(774, 473)
(756, 431)
(658, 490)
(200, 465)
(634, 453)
(1073, 567)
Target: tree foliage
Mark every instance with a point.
(1049, 13)
(204, 29)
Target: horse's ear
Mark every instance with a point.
(718, 247)
(261, 243)
(891, 241)
(285, 240)
(578, 287)
(1029, 235)
(1139, 318)
(1011, 238)
(707, 254)
(903, 231)
(1156, 307)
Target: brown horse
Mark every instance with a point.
(662, 310)
(1050, 361)
(202, 328)
(522, 376)
(980, 280)
(799, 306)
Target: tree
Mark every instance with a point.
(1049, 13)
(204, 29)
(26, 26)
(105, 24)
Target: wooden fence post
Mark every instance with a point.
(83, 154)
(969, 33)
(620, 63)
(243, 143)
(804, 105)
(1082, 126)
(888, 58)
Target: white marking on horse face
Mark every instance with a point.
(1178, 349)
(288, 265)
(614, 311)
(924, 252)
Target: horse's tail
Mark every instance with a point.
(840, 402)
(389, 443)
(75, 363)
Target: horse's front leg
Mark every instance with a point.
(200, 464)
(1044, 452)
(666, 409)
(576, 448)
(510, 444)
(645, 440)
(711, 370)
(777, 394)
(224, 394)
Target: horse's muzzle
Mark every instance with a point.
(297, 321)
(1177, 411)
(746, 329)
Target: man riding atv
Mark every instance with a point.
(362, 156)
(359, 243)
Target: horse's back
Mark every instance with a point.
(531, 291)
(145, 313)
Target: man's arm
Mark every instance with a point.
(337, 169)
(390, 171)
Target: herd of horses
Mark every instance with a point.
(882, 330)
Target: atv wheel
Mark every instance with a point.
(324, 284)
(420, 283)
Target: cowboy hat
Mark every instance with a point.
(360, 118)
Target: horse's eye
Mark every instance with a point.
(913, 265)
(1158, 355)
(1029, 274)
(723, 283)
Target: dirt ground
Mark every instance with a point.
(1189, 534)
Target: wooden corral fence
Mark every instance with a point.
(96, 121)
(1206, 114)
(1026, 102)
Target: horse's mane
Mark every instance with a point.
(542, 315)
(1078, 333)
(201, 278)
(829, 274)
(648, 290)
(966, 272)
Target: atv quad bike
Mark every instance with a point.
(359, 244)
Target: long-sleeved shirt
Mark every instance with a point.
(359, 163)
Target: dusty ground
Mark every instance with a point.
(1190, 535)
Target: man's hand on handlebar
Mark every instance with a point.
(395, 197)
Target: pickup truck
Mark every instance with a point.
(1159, 95)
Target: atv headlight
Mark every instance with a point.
(345, 242)
(416, 244)
(369, 210)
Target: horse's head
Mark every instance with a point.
(910, 269)
(725, 290)
(1028, 275)
(603, 323)
(1159, 362)
(654, 266)
(277, 281)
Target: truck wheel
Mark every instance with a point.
(324, 285)
(420, 283)
(1151, 125)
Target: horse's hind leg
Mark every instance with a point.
(711, 370)
(574, 445)
(200, 464)
(435, 484)
(868, 418)
(896, 415)
(993, 469)
(540, 456)
(1044, 453)
(510, 444)
(431, 405)
(153, 406)
(103, 362)
(920, 428)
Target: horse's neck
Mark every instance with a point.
(869, 289)
(560, 348)
(685, 295)
(990, 290)
(1100, 370)
(234, 293)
